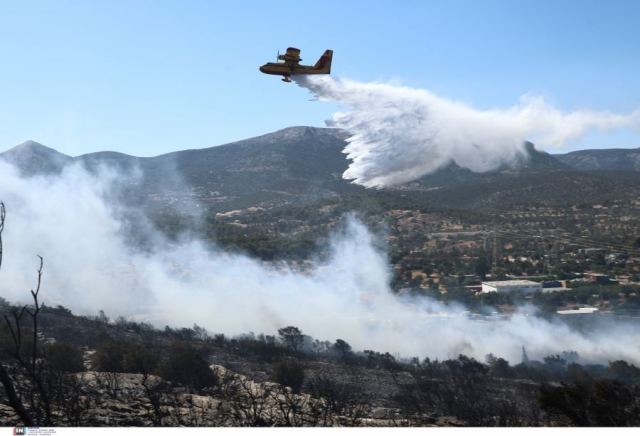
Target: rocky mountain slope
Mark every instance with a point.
(300, 165)
(620, 159)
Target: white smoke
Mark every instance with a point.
(400, 134)
(89, 266)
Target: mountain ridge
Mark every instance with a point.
(305, 164)
(608, 159)
(587, 159)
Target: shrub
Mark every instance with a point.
(289, 373)
(185, 366)
(138, 359)
(63, 357)
(109, 356)
(116, 356)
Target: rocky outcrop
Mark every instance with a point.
(123, 399)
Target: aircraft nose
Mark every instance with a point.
(261, 69)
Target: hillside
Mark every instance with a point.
(34, 158)
(619, 159)
(302, 165)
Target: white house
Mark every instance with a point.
(522, 286)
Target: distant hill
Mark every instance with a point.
(33, 158)
(298, 162)
(305, 164)
(609, 159)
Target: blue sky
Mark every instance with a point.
(146, 77)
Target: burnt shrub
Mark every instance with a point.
(602, 403)
(63, 357)
(289, 373)
(184, 365)
(624, 372)
(109, 356)
(265, 349)
(139, 359)
(340, 397)
(116, 356)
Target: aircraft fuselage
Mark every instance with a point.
(282, 69)
(290, 66)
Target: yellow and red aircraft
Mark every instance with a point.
(291, 65)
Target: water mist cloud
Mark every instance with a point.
(400, 134)
(90, 265)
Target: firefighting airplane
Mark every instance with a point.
(291, 65)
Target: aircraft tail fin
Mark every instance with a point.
(324, 63)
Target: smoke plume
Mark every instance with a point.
(399, 134)
(90, 265)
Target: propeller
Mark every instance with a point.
(278, 56)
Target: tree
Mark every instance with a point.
(3, 214)
(498, 367)
(14, 400)
(23, 348)
(482, 267)
(292, 337)
(37, 379)
(343, 349)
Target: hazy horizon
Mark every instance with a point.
(54, 147)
